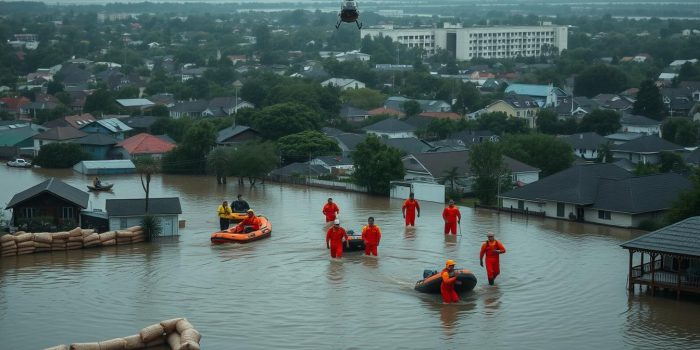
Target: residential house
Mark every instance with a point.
(386, 111)
(418, 121)
(640, 124)
(140, 123)
(434, 166)
(192, 109)
(349, 141)
(167, 100)
(51, 205)
(217, 107)
(397, 103)
(493, 85)
(693, 157)
(692, 87)
(407, 145)
(124, 213)
(225, 106)
(115, 80)
(599, 193)
(191, 73)
(298, 172)
(236, 134)
(544, 95)
(623, 137)
(109, 126)
(32, 109)
(343, 84)
(678, 101)
(12, 105)
(341, 165)
(144, 145)
(391, 128)
(105, 167)
(614, 102)
(586, 144)
(75, 78)
(77, 100)
(17, 140)
(77, 121)
(135, 103)
(574, 107)
(517, 106)
(353, 114)
(58, 134)
(97, 145)
(354, 55)
(645, 150)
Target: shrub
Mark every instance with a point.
(151, 227)
(60, 155)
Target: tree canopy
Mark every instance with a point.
(376, 164)
(500, 123)
(301, 146)
(681, 131)
(688, 202)
(603, 122)
(253, 160)
(486, 164)
(649, 102)
(363, 98)
(546, 152)
(285, 119)
(600, 79)
(60, 155)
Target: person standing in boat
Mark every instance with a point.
(371, 235)
(335, 237)
(239, 205)
(330, 210)
(224, 212)
(409, 209)
(449, 279)
(452, 218)
(249, 224)
(492, 248)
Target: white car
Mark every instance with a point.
(19, 163)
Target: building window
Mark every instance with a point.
(603, 215)
(561, 208)
(122, 223)
(27, 213)
(67, 213)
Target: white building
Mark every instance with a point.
(486, 42)
(344, 84)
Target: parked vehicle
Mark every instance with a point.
(19, 163)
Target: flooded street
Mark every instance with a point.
(563, 285)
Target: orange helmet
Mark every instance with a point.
(449, 263)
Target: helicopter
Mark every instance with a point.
(348, 14)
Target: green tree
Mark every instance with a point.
(600, 79)
(100, 101)
(451, 176)
(440, 128)
(671, 161)
(643, 169)
(486, 165)
(603, 122)
(302, 146)
(500, 123)
(548, 122)
(681, 131)
(649, 102)
(254, 161)
(189, 157)
(411, 107)
(546, 152)
(146, 167)
(159, 111)
(363, 98)
(605, 154)
(285, 119)
(376, 164)
(688, 202)
(218, 161)
(60, 155)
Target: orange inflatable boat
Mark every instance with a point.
(237, 217)
(244, 237)
(432, 279)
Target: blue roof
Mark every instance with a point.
(533, 90)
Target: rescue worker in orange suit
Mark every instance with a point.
(452, 218)
(410, 206)
(449, 279)
(330, 210)
(335, 237)
(224, 212)
(371, 235)
(249, 224)
(492, 249)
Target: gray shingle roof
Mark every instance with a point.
(198, 106)
(438, 163)
(680, 238)
(350, 112)
(55, 187)
(647, 144)
(350, 140)
(586, 140)
(336, 160)
(300, 169)
(408, 145)
(641, 194)
(638, 120)
(692, 157)
(577, 184)
(96, 140)
(60, 133)
(136, 207)
(390, 125)
(227, 133)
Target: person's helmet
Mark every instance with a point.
(336, 222)
(251, 211)
(449, 263)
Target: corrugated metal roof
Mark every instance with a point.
(135, 102)
(680, 238)
(108, 164)
(55, 187)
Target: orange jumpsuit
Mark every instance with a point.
(253, 222)
(409, 211)
(330, 210)
(451, 215)
(493, 265)
(447, 288)
(336, 236)
(371, 235)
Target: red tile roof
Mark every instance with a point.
(442, 115)
(144, 143)
(386, 111)
(15, 103)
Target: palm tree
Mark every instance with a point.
(451, 176)
(146, 166)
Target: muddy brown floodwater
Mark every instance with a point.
(563, 285)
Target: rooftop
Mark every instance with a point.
(55, 187)
(682, 238)
(137, 207)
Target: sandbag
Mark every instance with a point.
(58, 347)
(134, 228)
(42, 245)
(108, 236)
(8, 253)
(182, 325)
(190, 334)
(43, 237)
(58, 247)
(18, 233)
(189, 346)
(169, 325)
(74, 246)
(75, 232)
(59, 241)
(91, 237)
(110, 242)
(26, 244)
(133, 342)
(8, 244)
(92, 244)
(113, 344)
(7, 238)
(60, 235)
(9, 249)
(174, 340)
(86, 232)
(85, 346)
(151, 333)
(75, 239)
(27, 236)
(124, 234)
(157, 342)
(138, 233)
(26, 251)
(137, 240)
(122, 241)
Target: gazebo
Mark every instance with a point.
(672, 256)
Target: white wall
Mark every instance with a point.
(168, 223)
(526, 177)
(648, 130)
(429, 192)
(393, 135)
(616, 219)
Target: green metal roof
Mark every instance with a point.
(13, 137)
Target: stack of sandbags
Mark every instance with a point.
(91, 240)
(75, 239)
(124, 237)
(25, 243)
(60, 239)
(188, 336)
(8, 245)
(138, 234)
(42, 242)
(108, 238)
